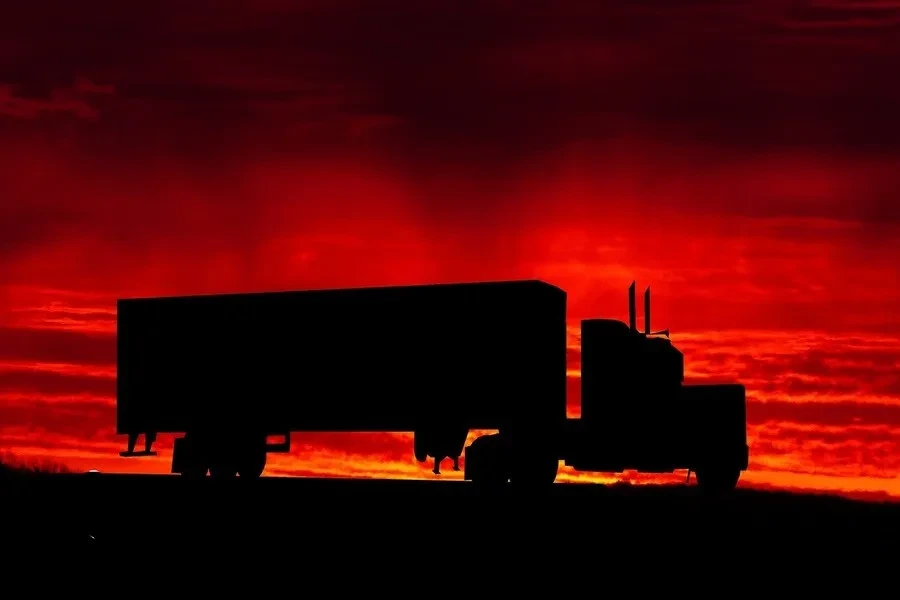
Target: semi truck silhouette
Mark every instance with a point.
(233, 371)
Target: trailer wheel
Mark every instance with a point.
(535, 471)
(487, 462)
(717, 479)
(252, 463)
(491, 479)
(188, 458)
(222, 471)
(222, 463)
(194, 471)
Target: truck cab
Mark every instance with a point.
(630, 383)
(637, 413)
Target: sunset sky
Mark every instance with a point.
(743, 159)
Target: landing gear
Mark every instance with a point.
(149, 439)
(440, 443)
(436, 469)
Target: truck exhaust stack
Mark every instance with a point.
(632, 317)
(647, 311)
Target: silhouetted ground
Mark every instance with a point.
(441, 527)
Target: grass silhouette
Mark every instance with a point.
(12, 466)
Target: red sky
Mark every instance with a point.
(744, 161)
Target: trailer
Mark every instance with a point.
(230, 372)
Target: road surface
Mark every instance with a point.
(436, 522)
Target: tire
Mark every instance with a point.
(717, 480)
(222, 464)
(252, 463)
(535, 471)
(191, 457)
(487, 463)
(194, 472)
(223, 471)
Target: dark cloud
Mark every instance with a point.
(485, 86)
(857, 452)
(67, 318)
(473, 126)
(87, 422)
(828, 414)
(37, 383)
(845, 15)
(828, 375)
(72, 100)
(57, 346)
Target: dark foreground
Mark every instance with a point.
(445, 527)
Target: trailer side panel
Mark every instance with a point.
(364, 359)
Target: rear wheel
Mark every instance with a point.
(252, 463)
(223, 470)
(225, 455)
(487, 462)
(194, 471)
(190, 457)
(717, 479)
(535, 470)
